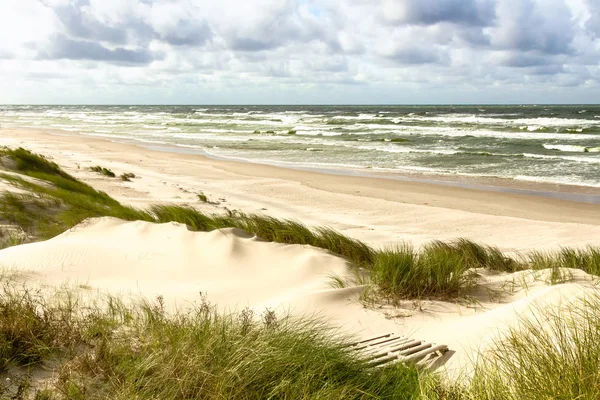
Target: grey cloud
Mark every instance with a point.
(429, 12)
(550, 69)
(275, 28)
(188, 33)
(64, 48)
(525, 26)
(84, 26)
(593, 23)
(472, 36)
(524, 60)
(415, 55)
(254, 44)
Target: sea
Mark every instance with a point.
(558, 144)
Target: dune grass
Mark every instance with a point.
(587, 260)
(441, 270)
(11, 237)
(104, 171)
(115, 351)
(436, 271)
(31, 163)
(127, 176)
(270, 229)
(58, 201)
(30, 329)
(555, 356)
(118, 351)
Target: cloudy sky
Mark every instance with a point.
(299, 51)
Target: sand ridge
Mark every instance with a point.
(235, 270)
(380, 212)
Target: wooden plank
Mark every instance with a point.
(388, 348)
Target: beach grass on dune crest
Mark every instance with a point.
(31, 163)
(111, 350)
(117, 351)
(436, 271)
(587, 260)
(443, 270)
(553, 356)
(56, 201)
(270, 229)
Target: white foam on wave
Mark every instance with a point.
(189, 146)
(356, 117)
(407, 150)
(572, 148)
(367, 129)
(476, 119)
(582, 159)
(316, 132)
(557, 180)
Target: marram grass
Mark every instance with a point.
(114, 351)
(58, 201)
(553, 356)
(110, 350)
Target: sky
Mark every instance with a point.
(299, 51)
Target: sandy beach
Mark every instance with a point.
(394, 199)
(237, 270)
(377, 211)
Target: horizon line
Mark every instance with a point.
(297, 104)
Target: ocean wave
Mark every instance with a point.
(581, 159)
(557, 180)
(572, 148)
(356, 117)
(484, 120)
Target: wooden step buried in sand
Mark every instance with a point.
(389, 348)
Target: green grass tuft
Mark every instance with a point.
(202, 197)
(481, 256)
(127, 176)
(31, 164)
(556, 356)
(103, 171)
(112, 351)
(587, 259)
(437, 271)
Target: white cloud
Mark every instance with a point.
(357, 51)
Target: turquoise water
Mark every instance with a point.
(554, 144)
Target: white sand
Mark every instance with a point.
(237, 271)
(141, 259)
(378, 211)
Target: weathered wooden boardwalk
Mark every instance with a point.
(389, 348)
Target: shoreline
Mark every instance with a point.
(560, 191)
(376, 210)
(574, 193)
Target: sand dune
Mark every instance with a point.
(107, 255)
(139, 259)
(379, 212)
